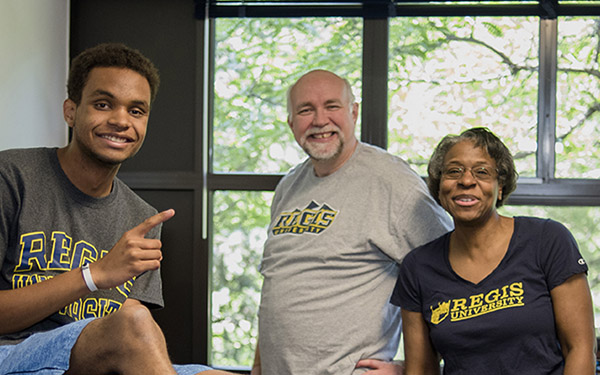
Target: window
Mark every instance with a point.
(578, 90)
(528, 70)
(448, 74)
(240, 220)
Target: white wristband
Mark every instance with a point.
(87, 277)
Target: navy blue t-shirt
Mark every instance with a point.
(505, 323)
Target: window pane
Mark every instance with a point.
(449, 74)
(239, 229)
(256, 61)
(578, 90)
(583, 222)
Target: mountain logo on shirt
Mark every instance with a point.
(313, 219)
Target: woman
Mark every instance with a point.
(498, 295)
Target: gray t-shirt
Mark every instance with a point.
(331, 260)
(48, 226)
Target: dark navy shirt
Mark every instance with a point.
(505, 323)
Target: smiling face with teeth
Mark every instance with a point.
(322, 118)
(109, 124)
(467, 199)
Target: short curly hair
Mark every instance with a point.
(109, 55)
(481, 137)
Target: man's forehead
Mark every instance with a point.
(116, 81)
(324, 90)
(320, 79)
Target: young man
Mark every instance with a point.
(340, 224)
(79, 251)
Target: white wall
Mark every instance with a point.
(33, 71)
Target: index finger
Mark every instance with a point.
(147, 225)
(369, 363)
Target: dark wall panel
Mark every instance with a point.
(176, 319)
(165, 32)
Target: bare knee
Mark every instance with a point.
(127, 341)
(133, 322)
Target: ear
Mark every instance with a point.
(69, 109)
(355, 112)
(500, 193)
(289, 122)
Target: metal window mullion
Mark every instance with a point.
(202, 204)
(547, 100)
(374, 82)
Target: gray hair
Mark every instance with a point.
(481, 137)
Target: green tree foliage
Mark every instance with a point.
(240, 220)
(578, 99)
(450, 74)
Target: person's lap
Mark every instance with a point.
(48, 353)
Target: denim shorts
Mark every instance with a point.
(48, 353)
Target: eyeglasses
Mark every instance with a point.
(480, 173)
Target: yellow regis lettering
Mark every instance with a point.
(83, 251)
(476, 300)
(504, 291)
(293, 219)
(281, 221)
(492, 296)
(61, 245)
(307, 218)
(459, 304)
(33, 251)
(326, 217)
(516, 289)
(90, 308)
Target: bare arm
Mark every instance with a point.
(131, 255)
(420, 355)
(574, 316)
(256, 369)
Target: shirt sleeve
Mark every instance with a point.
(407, 293)
(559, 254)
(10, 201)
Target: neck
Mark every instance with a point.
(90, 176)
(476, 239)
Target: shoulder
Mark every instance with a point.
(369, 153)
(376, 163)
(427, 252)
(24, 156)
(24, 162)
(540, 226)
(547, 238)
(132, 200)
